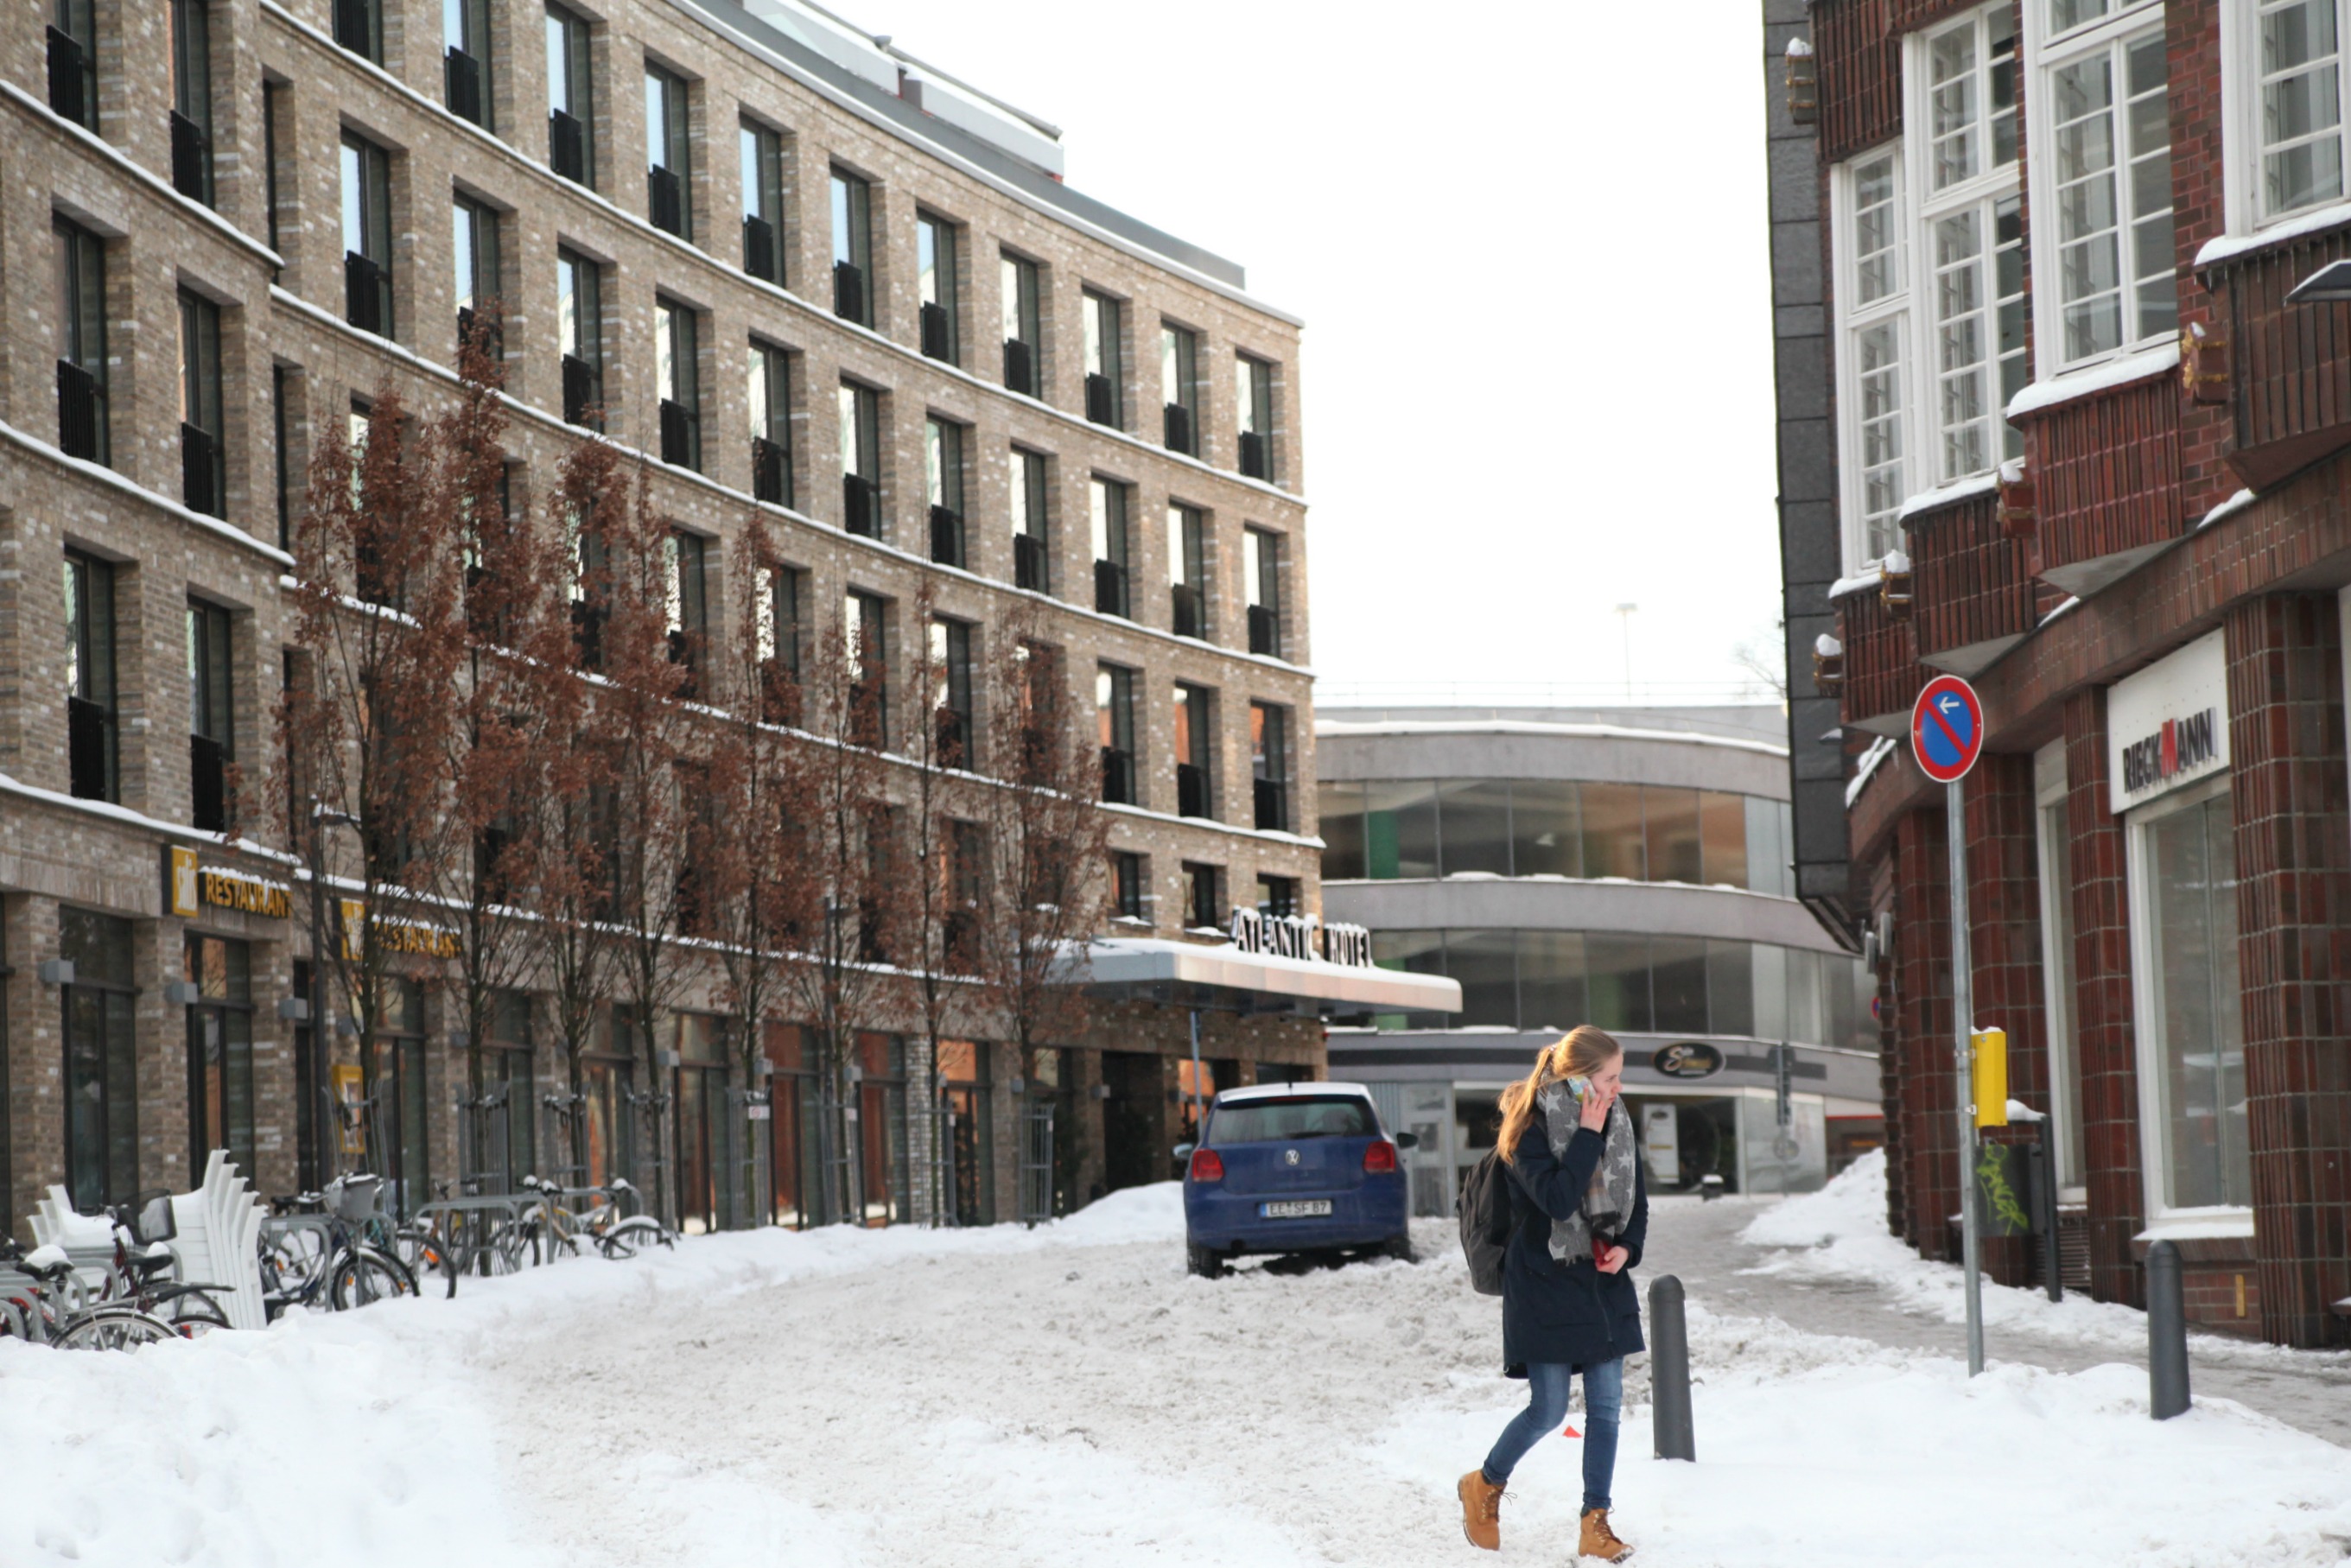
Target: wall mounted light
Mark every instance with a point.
(56, 972)
(1894, 584)
(1804, 83)
(1828, 665)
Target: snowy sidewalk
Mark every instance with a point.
(1071, 1396)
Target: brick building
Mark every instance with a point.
(795, 270)
(2051, 419)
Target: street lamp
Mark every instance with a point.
(1624, 616)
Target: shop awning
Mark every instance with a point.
(1222, 975)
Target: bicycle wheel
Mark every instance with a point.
(364, 1276)
(632, 1236)
(426, 1255)
(113, 1328)
(192, 1313)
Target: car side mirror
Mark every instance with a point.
(1407, 1140)
(1184, 1151)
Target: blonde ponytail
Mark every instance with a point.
(1579, 1054)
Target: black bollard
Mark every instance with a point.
(2166, 1333)
(1669, 1383)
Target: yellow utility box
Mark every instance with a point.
(1988, 1048)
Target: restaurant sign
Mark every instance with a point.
(192, 886)
(2167, 725)
(398, 936)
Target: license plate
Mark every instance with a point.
(1295, 1208)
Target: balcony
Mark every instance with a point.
(951, 732)
(665, 201)
(492, 340)
(68, 77)
(355, 28)
(938, 333)
(1257, 457)
(768, 472)
(81, 414)
(1975, 595)
(191, 159)
(89, 750)
(759, 251)
(1109, 587)
(849, 292)
(1265, 631)
(566, 146)
(583, 394)
(1192, 790)
(207, 784)
(1028, 564)
(1178, 428)
(1272, 797)
(1188, 619)
(1101, 399)
(947, 536)
(1019, 366)
(460, 77)
(367, 293)
(1882, 672)
(861, 507)
(201, 479)
(681, 435)
(1117, 776)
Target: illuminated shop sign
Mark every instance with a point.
(2167, 725)
(1302, 936)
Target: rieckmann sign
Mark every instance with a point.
(2167, 725)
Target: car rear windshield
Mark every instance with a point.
(1290, 1118)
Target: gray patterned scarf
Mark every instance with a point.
(1609, 1199)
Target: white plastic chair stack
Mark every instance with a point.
(219, 1239)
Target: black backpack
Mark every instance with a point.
(1485, 1209)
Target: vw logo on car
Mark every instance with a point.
(1290, 1156)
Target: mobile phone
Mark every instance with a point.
(1581, 1088)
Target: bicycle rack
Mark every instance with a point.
(1036, 1161)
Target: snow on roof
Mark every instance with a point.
(1878, 751)
(2228, 508)
(2118, 373)
(2226, 248)
(1341, 729)
(1867, 577)
(1945, 495)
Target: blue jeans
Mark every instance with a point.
(1547, 1386)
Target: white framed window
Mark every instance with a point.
(2286, 102)
(1966, 98)
(1873, 290)
(1978, 255)
(2104, 250)
(2193, 1115)
(2057, 971)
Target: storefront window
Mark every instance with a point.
(1531, 827)
(509, 1151)
(790, 1136)
(220, 1053)
(963, 1074)
(2057, 945)
(699, 1102)
(2188, 899)
(101, 1061)
(404, 1141)
(881, 1128)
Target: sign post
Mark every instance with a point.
(1947, 733)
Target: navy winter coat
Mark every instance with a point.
(1567, 1313)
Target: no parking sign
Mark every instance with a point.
(1946, 729)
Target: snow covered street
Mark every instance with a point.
(1071, 1396)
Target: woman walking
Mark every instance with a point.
(1579, 1211)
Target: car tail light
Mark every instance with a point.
(1208, 1165)
(1379, 1157)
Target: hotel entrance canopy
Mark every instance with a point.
(1226, 974)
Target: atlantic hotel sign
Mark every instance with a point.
(2167, 725)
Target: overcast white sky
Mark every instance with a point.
(1529, 244)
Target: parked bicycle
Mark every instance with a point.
(322, 1247)
(145, 1279)
(53, 1306)
(552, 1227)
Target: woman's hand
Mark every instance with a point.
(1595, 1104)
(1614, 1259)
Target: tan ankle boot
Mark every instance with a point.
(1601, 1541)
(1482, 1510)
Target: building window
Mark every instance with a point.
(281, 422)
(1874, 298)
(1253, 405)
(571, 98)
(1261, 565)
(1180, 386)
(1105, 361)
(943, 444)
(1269, 764)
(83, 415)
(763, 203)
(579, 317)
(853, 248)
(73, 62)
(1106, 500)
(90, 723)
(211, 743)
(669, 154)
(679, 366)
(2057, 963)
(2298, 73)
(938, 278)
(1114, 707)
(1031, 559)
(203, 467)
(1978, 290)
(192, 100)
(1277, 897)
(1195, 756)
(465, 63)
(860, 412)
(1188, 572)
(101, 1077)
(865, 634)
(474, 244)
(951, 706)
(2108, 180)
(2184, 887)
(687, 593)
(963, 1076)
(1023, 343)
(220, 1053)
(367, 236)
(1204, 907)
(270, 93)
(770, 399)
(359, 27)
(780, 638)
(1970, 98)
(1130, 878)
(1538, 827)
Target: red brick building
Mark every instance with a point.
(2051, 419)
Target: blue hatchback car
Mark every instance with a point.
(1294, 1167)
